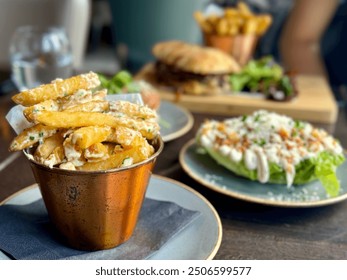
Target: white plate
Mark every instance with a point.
(174, 120)
(199, 241)
(209, 173)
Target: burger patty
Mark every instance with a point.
(170, 75)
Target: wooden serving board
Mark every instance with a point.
(315, 101)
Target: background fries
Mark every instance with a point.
(77, 128)
(234, 21)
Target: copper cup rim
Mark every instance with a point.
(96, 172)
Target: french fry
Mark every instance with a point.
(250, 26)
(244, 8)
(133, 110)
(212, 19)
(48, 105)
(92, 106)
(96, 152)
(56, 157)
(199, 17)
(125, 157)
(264, 22)
(73, 153)
(125, 136)
(87, 136)
(31, 136)
(68, 120)
(56, 89)
(128, 138)
(231, 12)
(64, 119)
(233, 30)
(207, 27)
(80, 97)
(222, 27)
(46, 148)
(112, 148)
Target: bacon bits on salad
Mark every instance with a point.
(273, 148)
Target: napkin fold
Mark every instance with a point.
(26, 233)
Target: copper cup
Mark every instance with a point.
(241, 47)
(95, 210)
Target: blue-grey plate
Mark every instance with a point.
(199, 241)
(205, 170)
(174, 120)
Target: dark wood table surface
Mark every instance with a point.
(250, 231)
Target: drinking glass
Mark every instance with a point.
(39, 55)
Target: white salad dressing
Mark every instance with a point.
(264, 138)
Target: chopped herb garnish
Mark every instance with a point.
(262, 142)
(41, 134)
(31, 138)
(124, 160)
(299, 124)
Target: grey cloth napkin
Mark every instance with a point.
(26, 233)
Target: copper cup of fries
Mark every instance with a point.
(241, 47)
(95, 210)
(92, 158)
(235, 31)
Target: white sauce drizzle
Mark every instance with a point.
(265, 138)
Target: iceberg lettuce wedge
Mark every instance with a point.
(322, 168)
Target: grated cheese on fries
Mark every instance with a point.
(74, 127)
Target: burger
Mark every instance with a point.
(193, 69)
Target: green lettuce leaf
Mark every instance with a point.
(121, 82)
(323, 168)
(325, 171)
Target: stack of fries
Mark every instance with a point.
(234, 21)
(74, 127)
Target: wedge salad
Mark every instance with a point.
(273, 148)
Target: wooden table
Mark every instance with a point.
(250, 231)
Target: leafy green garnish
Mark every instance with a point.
(263, 75)
(326, 172)
(119, 83)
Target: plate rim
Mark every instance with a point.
(215, 214)
(184, 129)
(208, 203)
(248, 198)
(17, 193)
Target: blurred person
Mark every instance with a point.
(302, 36)
(306, 36)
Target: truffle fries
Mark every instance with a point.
(75, 127)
